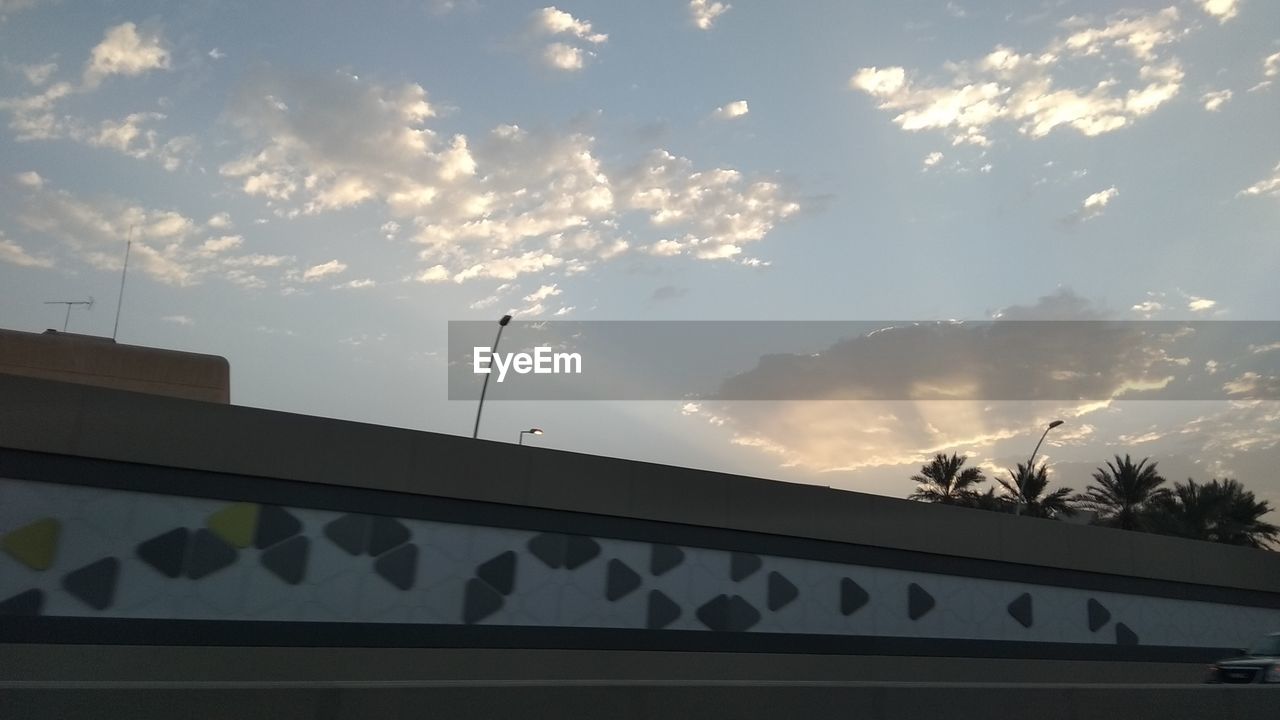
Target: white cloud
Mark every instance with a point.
(564, 57)
(360, 284)
(167, 246)
(36, 117)
(1093, 205)
(1223, 10)
(38, 74)
(564, 311)
(729, 111)
(932, 159)
(542, 293)
(323, 270)
(496, 205)
(217, 54)
(179, 320)
(13, 253)
(9, 6)
(1271, 65)
(1213, 101)
(220, 221)
(218, 245)
(705, 12)
(1199, 304)
(130, 137)
(433, 274)
(1038, 92)
(1148, 308)
(553, 21)
(29, 179)
(718, 209)
(123, 51)
(1269, 186)
(33, 117)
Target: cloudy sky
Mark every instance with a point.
(314, 195)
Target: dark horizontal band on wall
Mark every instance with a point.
(242, 633)
(26, 465)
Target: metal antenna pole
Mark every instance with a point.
(70, 303)
(123, 274)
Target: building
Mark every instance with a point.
(101, 361)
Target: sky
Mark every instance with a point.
(316, 194)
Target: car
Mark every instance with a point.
(1258, 664)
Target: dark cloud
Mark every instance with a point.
(668, 292)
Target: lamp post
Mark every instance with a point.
(1022, 500)
(485, 387)
(530, 431)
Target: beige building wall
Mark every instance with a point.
(102, 362)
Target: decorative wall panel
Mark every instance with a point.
(73, 550)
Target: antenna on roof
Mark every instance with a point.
(70, 303)
(123, 274)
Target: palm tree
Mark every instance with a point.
(1124, 492)
(1241, 521)
(989, 500)
(945, 480)
(1186, 512)
(1218, 511)
(1030, 485)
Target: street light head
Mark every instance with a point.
(535, 431)
(505, 319)
(1055, 424)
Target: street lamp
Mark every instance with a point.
(1022, 500)
(530, 431)
(485, 387)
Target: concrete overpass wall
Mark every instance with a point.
(139, 520)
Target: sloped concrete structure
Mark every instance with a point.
(153, 539)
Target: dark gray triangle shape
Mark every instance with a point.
(95, 583)
(919, 602)
(387, 533)
(852, 597)
(1125, 636)
(743, 565)
(579, 551)
(620, 580)
(479, 601)
(781, 591)
(549, 548)
(1098, 615)
(398, 567)
(288, 560)
(742, 614)
(274, 525)
(166, 552)
(715, 613)
(662, 611)
(663, 558)
(27, 603)
(349, 532)
(208, 554)
(1020, 610)
(499, 571)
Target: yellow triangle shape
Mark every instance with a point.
(34, 545)
(235, 523)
